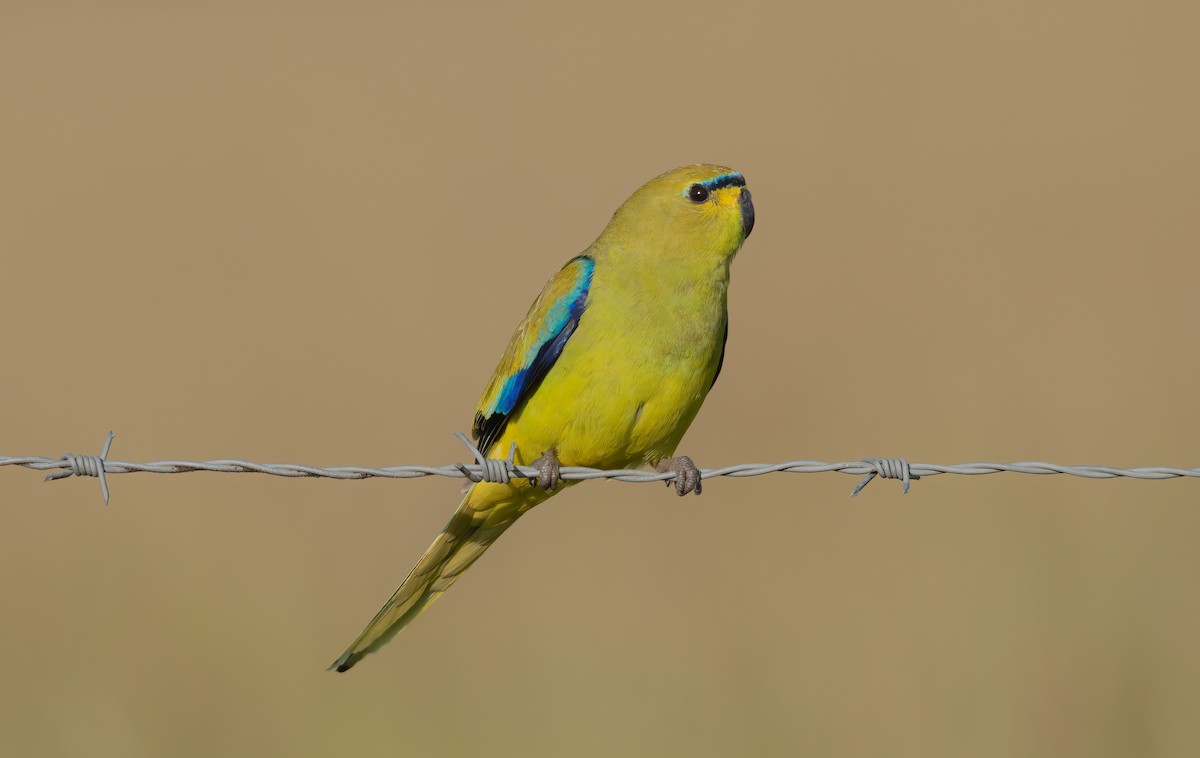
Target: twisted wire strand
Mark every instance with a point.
(503, 470)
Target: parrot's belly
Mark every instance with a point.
(613, 404)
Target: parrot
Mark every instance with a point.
(608, 369)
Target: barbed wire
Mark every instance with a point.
(503, 470)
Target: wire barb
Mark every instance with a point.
(887, 468)
(86, 465)
(491, 470)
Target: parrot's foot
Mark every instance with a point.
(548, 468)
(687, 476)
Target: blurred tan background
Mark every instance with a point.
(304, 233)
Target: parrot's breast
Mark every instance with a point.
(633, 375)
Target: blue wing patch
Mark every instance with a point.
(534, 348)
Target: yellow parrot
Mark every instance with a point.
(607, 370)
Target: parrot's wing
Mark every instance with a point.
(534, 348)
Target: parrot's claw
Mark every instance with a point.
(548, 471)
(687, 476)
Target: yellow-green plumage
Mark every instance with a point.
(623, 388)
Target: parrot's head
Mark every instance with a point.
(697, 210)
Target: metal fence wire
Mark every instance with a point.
(503, 470)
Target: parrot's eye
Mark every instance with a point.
(697, 193)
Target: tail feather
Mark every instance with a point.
(485, 512)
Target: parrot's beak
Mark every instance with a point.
(747, 212)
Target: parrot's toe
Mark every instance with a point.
(548, 468)
(687, 475)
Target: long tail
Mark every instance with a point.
(485, 512)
